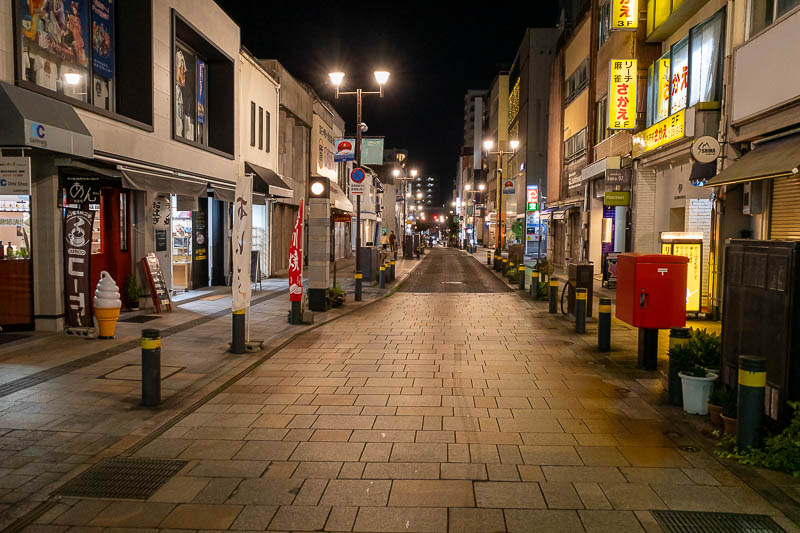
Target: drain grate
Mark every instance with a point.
(122, 478)
(697, 522)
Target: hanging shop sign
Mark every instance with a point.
(242, 236)
(345, 150)
(508, 187)
(622, 74)
(322, 142)
(624, 15)
(295, 259)
(340, 217)
(705, 149)
(617, 198)
(672, 128)
(15, 176)
(82, 189)
(532, 198)
(618, 179)
(372, 151)
(77, 257)
(159, 292)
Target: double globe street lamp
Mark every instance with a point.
(488, 144)
(381, 76)
(396, 173)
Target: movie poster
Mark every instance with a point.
(103, 38)
(55, 30)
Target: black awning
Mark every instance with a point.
(769, 160)
(267, 182)
(33, 120)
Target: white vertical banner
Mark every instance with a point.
(242, 241)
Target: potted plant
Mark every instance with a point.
(696, 381)
(728, 415)
(336, 296)
(707, 348)
(133, 291)
(717, 400)
(681, 359)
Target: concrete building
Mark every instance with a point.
(472, 114)
(497, 132)
(142, 136)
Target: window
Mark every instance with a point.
(604, 23)
(706, 60)
(252, 123)
(123, 222)
(190, 94)
(260, 128)
(679, 78)
(764, 12)
(577, 81)
(575, 147)
(266, 129)
(601, 131)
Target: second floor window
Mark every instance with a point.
(577, 81)
(575, 147)
(601, 131)
(191, 88)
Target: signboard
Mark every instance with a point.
(340, 217)
(694, 276)
(296, 260)
(161, 240)
(617, 198)
(618, 179)
(705, 149)
(161, 213)
(372, 150)
(663, 87)
(15, 176)
(532, 198)
(345, 150)
(323, 145)
(622, 75)
(532, 226)
(82, 189)
(242, 237)
(624, 15)
(77, 258)
(356, 188)
(159, 291)
(670, 129)
(508, 187)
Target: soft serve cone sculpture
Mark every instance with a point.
(107, 304)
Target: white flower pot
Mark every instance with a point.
(696, 392)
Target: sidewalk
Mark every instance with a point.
(67, 401)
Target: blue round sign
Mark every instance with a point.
(358, 175)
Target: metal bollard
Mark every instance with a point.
(604, 325)
(580, 310)
(237, 342)
(416, 253)
(151, 367)
(382, 277)
(496, 265)
(534, 283)
(750, 408)
(553, 295)
(359, 280)
(392, 273)
(504, 266)
(521, 277)
(488, 257)
(675, 389)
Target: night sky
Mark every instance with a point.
(434, 56)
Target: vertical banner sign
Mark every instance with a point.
(532, 198)
(242, 237)
(201, 92)
(624, 14)
(663, 75)
(622, 94)
(103, 38)
(372, 151)
(295, 261)
(199, 248)
(77, 254)
(161, 212)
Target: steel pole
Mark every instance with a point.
(358, 198)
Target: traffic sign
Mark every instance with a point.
(358, 175)
(356, 188)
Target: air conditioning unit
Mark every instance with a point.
(752, 198)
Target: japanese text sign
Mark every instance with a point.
(532, 198)
(345, 150)
(77, 255)
(622, 79)
(668, 130)
(624, 14)
(295, 259)
(242, 240)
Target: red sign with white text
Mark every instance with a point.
(295, 259)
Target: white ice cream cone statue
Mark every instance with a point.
(107, 304)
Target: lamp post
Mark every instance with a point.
(396, 174)
(381, 76)
(487, 145)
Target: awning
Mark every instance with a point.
(339, 201)
(33, 120)
(769, 160)
(146, 180)
(267, 182)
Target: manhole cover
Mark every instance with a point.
(690, 449)
(140, 319)
(119, 478)
(696, 522)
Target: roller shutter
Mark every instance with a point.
(784, 220)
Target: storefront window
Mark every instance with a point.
(706, 60)
(123, 221)
(16, 287)
(190, 94)
(97, 229)
(679, 67)
(181, 248)
(68, 48)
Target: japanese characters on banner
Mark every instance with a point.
(161, 212)
(624, 14)
(670, 129)
(77, 254)
(296, 259)
(242, 236)
(622, 77)
(663, 88)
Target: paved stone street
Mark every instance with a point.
(433, 410)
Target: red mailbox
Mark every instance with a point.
(651, 290)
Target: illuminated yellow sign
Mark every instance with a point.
(670, 129)
(624, 14)
(622, 94)
(694, 274)
(663, 74)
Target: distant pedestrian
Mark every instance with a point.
(384, 240)
(392, 242)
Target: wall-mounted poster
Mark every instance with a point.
(103, 38)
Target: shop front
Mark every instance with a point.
(16, 270)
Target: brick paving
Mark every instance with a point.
(429, 411)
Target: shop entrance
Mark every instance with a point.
(16, 271)
(111, 237)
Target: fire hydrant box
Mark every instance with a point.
(651, 290)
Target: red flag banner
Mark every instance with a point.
(296, 259)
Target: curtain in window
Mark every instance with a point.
(679, 82)
(706, 60)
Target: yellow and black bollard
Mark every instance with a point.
(580, 310)
(238, 327)
(521, 272)
(604, 325)
(392, 272)
(750, 407)
(504, 266)
(488, 257)
(496, 265)
(359, 277)
(151, 367)
(553, 295)
(382, 277)
(534, 283)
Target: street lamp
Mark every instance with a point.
(381, 76)
(487, 145)
(396, 173)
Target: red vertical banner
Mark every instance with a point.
(296, 259)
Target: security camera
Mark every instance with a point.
(795, 170)
(364, 127)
